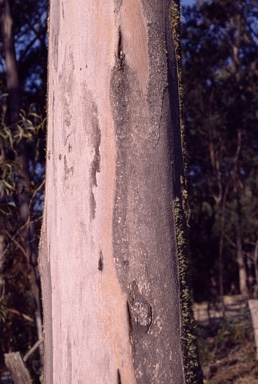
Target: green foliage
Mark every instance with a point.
(17, 309)
(31, 129)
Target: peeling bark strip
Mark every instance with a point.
(112, 292)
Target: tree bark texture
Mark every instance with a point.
(109, 252)
(17, 369)
(241, 267)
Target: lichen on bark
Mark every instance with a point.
(193, 372)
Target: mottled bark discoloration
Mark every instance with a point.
(55, 14)
(145, 249)
(93, 134)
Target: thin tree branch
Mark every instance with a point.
(32, 350)
(15, 312)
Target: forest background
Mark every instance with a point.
(220, 76)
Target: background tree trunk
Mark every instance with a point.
(109, 248)
(241, 267)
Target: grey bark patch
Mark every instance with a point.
(93, 134)
(176, 138)
(157, 81)
(157, 55)
(68, 171)
(119, 2)
(95, 144)
(55, 16)
(95, 140)
(92, 205)
(67, 82)
(145, 248)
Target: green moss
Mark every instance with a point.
(176, 35)
(193, 373)
(192, 368)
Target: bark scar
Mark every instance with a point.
(120, 55)
(139, 311)
(101, 263)
(119, 381)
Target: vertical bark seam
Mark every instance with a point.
(101, 263)
(119, 381)
(120, 55)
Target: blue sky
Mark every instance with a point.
(187, 2)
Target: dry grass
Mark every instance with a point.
(227, 350)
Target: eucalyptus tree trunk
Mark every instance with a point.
(112, 255)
